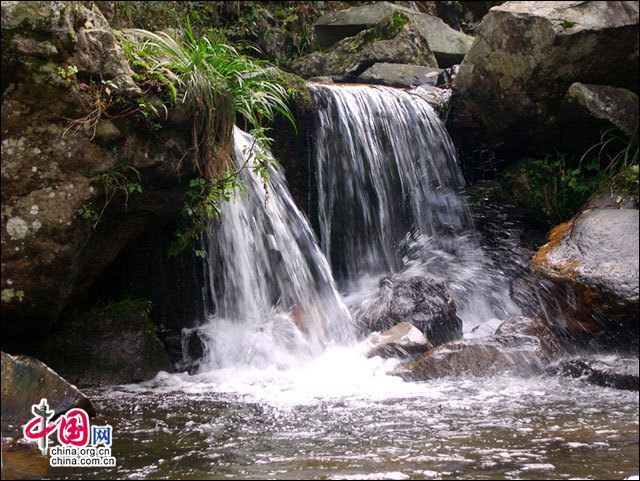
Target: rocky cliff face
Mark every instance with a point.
(86, 164)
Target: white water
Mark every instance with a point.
(275, 298)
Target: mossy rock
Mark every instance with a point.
(114, 344)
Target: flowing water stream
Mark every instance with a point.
(284, 391)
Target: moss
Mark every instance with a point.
(625, 182)
(121, 308)
(297, 89)
(386, 29)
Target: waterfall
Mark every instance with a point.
(272, 288)
(389, 198)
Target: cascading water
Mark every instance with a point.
(274, 295)
(389, 198)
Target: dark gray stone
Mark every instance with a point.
(420, 300)
(609, 371)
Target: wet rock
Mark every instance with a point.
(23, 461)
(400, 75)
(113, 345)
(436, 97)
(420, 300)
(401, 340)
(448, 45)
(595, 255)
(512, 354)
(524, 58)
(551, 342)
(385, 42)
(600, 107)
(609, 371)
(25, 381)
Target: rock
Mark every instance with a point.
(400, 75)
(420, 300)
(52, 175)
(113, 345)
(518, 355)
(383, 42)
(609, 371)
(23, 461)
(524, 58)
(551, 344)
(401, 340)
(608, 106)
(436, 97)
(448, 45)
(595, 255)
(25, 381)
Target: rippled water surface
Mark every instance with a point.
(324, 422)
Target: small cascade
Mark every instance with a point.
(390, 199)
(272, 288)
(384, 169)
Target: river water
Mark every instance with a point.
(329, 421)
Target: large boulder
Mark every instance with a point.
(420, 300)
(73, 126)
(603, 370)
(116, 344)
(524, 58)
(401, 340)
(448, 45)
(595, 256)
(392, 41)
(25, 381)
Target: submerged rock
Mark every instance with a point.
(401, 340)
(520, 346)
(420, 300)
(448, 45)
(25, 381)
(595, 255)
(524, 58)
(609, 371)
(113, 345)
(436, 97)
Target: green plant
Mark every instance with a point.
(122, 179)
(217, 84)
(557, 187)
(615, 151)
